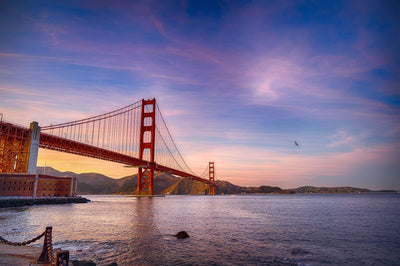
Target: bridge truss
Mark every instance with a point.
(135, 135)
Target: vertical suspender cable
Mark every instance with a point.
(98, 133)
(109, 133)
(104, 132)
(124, 147)
(123, 132)
(92, 131)
(113, 139)
(86, 133)
(128, 147)
(74, 135)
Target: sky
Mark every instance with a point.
(238, 82)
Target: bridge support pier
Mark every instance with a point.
(18, 148)
(146, 148)
(145, 181)
(33, 147)
(211, 190)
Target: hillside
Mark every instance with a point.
(264, 189)
(310, 189)
(93, 183)
(127, 185)
(88, 183)
(226, 187)
(186, 186)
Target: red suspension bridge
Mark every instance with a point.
(135, 135)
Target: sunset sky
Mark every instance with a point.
(238, 82)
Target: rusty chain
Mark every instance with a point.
(49, 245)
(2, 240)
(47, 255)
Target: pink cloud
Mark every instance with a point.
(257, 166)
(9, 92)
(341, 138)
(23, 105)
(53, 31)
(160, 27)
(10, 55)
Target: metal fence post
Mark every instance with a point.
(47, 255)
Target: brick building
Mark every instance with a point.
(35, 185)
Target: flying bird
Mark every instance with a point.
(297, 144)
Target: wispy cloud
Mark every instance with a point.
(342, 138)
(257, 166)
(236, 86)
(160, 27)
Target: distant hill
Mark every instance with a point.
(88, 183)
(264, 189)
(186, 186)
(93, 183)
(226, 187)
(310, 189)
(127, 185)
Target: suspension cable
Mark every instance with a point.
(173, 142)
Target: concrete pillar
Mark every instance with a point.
(36, 184)
(33, 147)
(72, 186)
(76, 185)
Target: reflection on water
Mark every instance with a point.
(224, 230)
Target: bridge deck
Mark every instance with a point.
(56, 143)
(48, 141)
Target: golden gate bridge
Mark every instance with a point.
(135, 135)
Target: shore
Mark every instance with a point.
(28, 255)
(10, 202)
(24, 255)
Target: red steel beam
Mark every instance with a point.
(55, 143)
(14, 148)
(162, 168)
(69, 146)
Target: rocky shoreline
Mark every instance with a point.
(20, 202)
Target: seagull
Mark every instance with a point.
(297, 144)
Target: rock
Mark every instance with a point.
(82, 263)
(182, 234)
(9, 203)
(299, 251)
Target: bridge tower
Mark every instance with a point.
(19, 148)
(146, 148)
(34, 133)
(211, 178)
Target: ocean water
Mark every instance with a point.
(309, 229)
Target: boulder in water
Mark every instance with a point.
(299, 251)
(82, 263)
(182, 234)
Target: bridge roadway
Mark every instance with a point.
(51, 142)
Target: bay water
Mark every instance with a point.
(300, 229)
